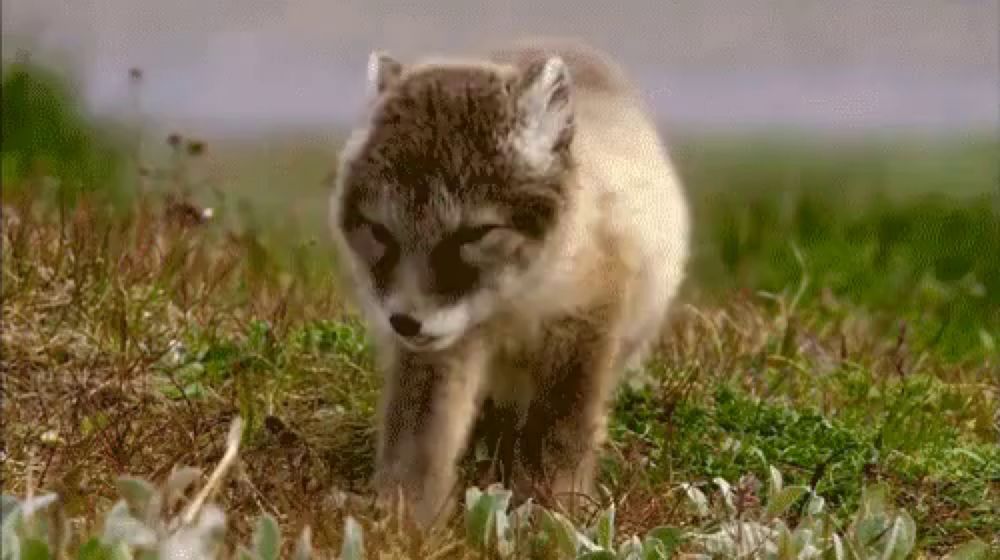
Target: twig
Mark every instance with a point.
(232, 448)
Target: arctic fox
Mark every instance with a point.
(514, 232)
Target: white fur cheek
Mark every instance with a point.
(372, 311)
(535, 148)
(481, 306)
(447, 322)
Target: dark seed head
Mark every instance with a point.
(195, 148)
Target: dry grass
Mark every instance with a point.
(132, 334)
(103, 317)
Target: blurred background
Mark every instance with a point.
(845, 64)
(165, 176)
(834, 138)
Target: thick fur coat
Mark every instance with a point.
(514, 232)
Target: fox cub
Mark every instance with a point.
(514, 232)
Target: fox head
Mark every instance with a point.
(447, 194)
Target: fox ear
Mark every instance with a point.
(383, 72)
(545, 105)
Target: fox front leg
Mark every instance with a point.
(567, 419)
(428, 408)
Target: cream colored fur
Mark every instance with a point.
(611, 269)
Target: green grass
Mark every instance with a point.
(44, 133)
(840, 323)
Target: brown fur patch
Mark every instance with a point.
(446, 132)
(457, 146)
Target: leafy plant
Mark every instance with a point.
(489, 527)
(141, 524)
(876, 531)
(46, 133)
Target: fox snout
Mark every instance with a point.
(405, 325)
(422, 328)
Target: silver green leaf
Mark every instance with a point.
(816, 504)
(779, 503)
(669, 537)
(972, 550)
(479, 518)
(902, 538)
(697, 498)
(597, 555)
(606, 528)
(776, 482)
(267, 538)
(177, 483)
(120, 527)
(137, 493)
(560, 531)
(353, 547)
(303, 546)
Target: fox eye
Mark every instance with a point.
(473, 234)
(381, 234)
(373, 241)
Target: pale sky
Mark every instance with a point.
(839, 63)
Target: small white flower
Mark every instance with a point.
(51, 437)
(207, 213)
(175, 352)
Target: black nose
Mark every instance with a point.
(404, 324)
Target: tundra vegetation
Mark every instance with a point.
(182, 376)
